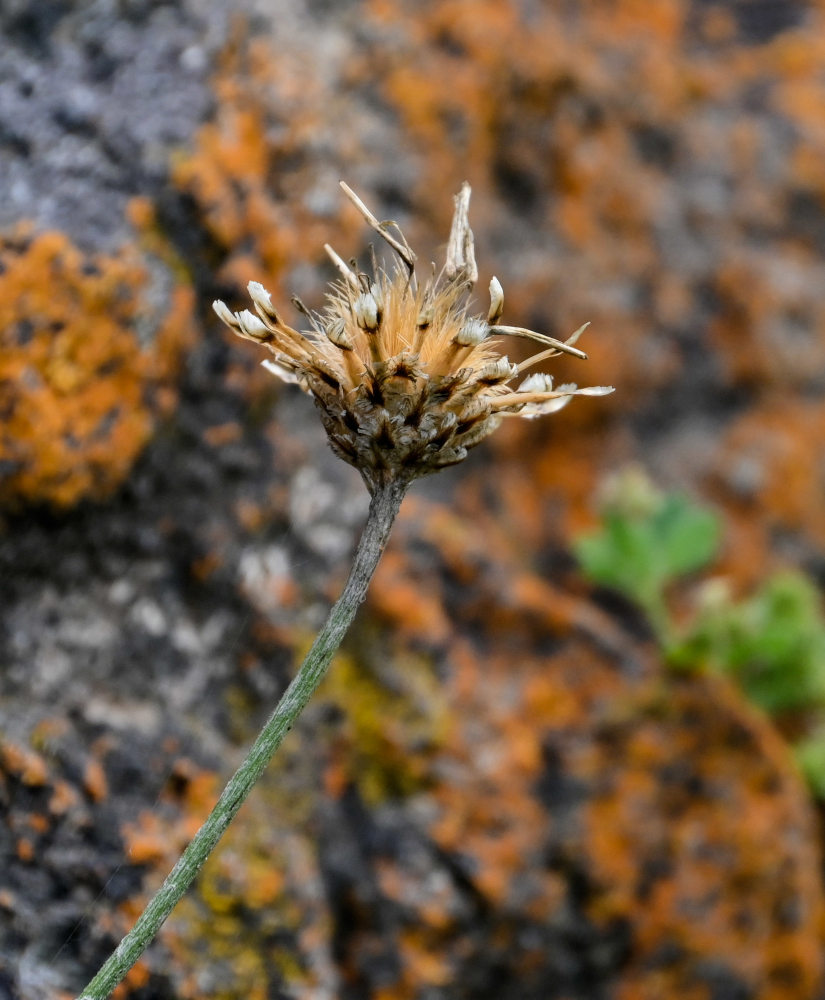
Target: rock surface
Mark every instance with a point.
(500, 792)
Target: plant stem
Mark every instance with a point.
(384, 506)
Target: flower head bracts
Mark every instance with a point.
(405, 380)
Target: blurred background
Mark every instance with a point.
(574, 748)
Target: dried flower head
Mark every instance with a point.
(405, 380)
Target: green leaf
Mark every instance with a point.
(642, 547)
(687, 535)
(773, 643)
(810, 756)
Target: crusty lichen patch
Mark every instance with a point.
(80, 391)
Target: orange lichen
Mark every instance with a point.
(714, 879)
(241, 172)
(81, 393)
(94, 781)
(768, 470)
(222, 434)
(398, 598)
(136, 978)
(27, 765)
(25, 850)
(64, 797)
(152, 839)
(771, 324)
(146, 839)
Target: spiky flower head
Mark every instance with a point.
(406, 380)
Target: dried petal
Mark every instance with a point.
(537, 382)
(461, 261)
(425, 317)
(263, 302)
(224, 313)
(497, 371)
(542, 408)
(283, 373)
(337, 333)
(472, 332)
(366, 312)
(496, 301)
(253, 327)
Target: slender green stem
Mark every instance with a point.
(384, 506)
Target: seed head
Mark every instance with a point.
(405, 380)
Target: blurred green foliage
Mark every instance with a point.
(647, 541)
(771, 642)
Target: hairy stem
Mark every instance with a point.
(383, 508)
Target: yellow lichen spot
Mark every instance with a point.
(390, 733)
